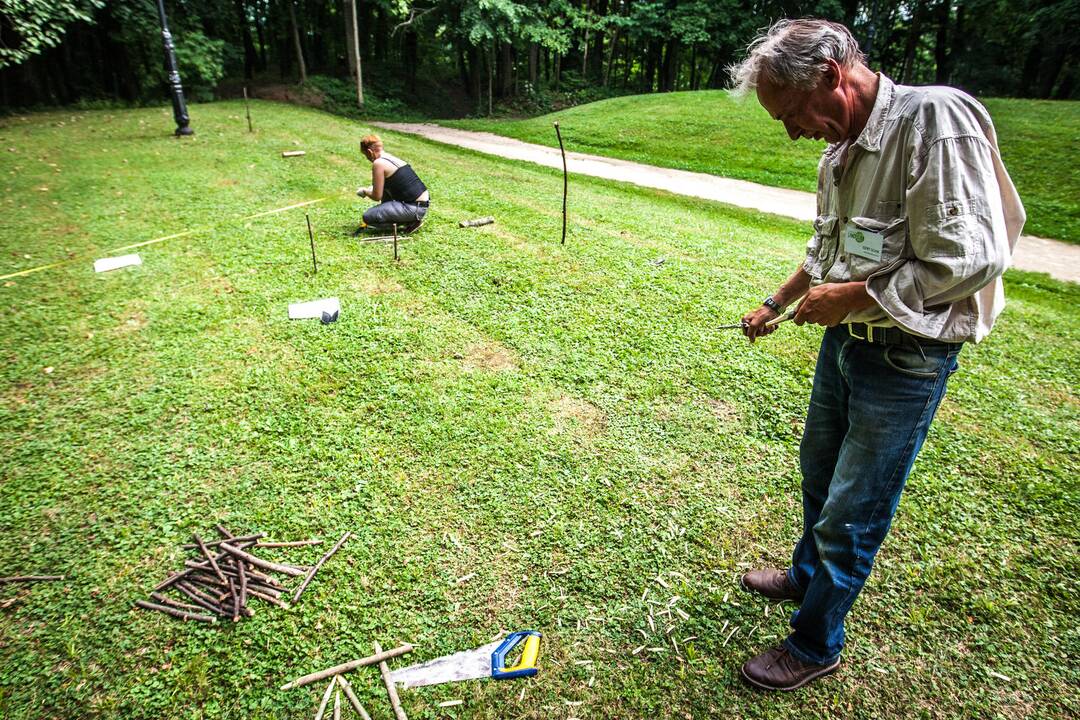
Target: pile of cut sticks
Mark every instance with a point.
(226, 575)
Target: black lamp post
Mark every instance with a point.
(178, 105)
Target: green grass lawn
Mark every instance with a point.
(561, 424)
(711, 132)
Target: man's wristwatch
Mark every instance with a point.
(773, 305)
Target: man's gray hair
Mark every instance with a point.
(793, 53)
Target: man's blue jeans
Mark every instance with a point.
(870, 410)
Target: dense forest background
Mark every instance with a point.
(457, 57)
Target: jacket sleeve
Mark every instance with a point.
(956, 232)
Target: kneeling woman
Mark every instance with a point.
(402, 196)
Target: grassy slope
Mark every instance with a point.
(560, 421)
(710, 132)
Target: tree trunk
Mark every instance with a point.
(350, 40)
(412, 59)
(558, 70)
(354, 53)
(260, 34)
(249, 46)
(670, 69)
(296, 43)
(534, 62)
(611, 55)
(491, 78)
(693, 67)
(942, 58)
(463, 71)
(914, 35)
(506, 68)
(585, 55)
(1051, 70)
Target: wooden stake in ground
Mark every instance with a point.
(391, 691)
(247, 109)
(315, 569)
(346, 667)
(564, 181)
(395, 242)
(311, 237)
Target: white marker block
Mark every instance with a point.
(115, 263)
(313, 308)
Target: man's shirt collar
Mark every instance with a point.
(870, 137)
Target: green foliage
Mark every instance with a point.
(560, 423)
(32, 26)
(711, 132)
(202, 64)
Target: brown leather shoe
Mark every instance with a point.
(778, 669)
(773, 584)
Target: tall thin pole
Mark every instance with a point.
(311, 237)
(564, 181)
(247, 109)
(180, 113)
(355, 49)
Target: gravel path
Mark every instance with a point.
(1060, 260)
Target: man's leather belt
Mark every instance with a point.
(887, 335)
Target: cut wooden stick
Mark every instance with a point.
(291, 543)
(172, 579)
(346, 667)
(205, 601)
(29, 578)
(268, 598)
(293, 153)
(259, 562)
(325, 699)
(166, 600)
(478, 222)
(391, 690)
(353, 700)
(243, 583)
(315, 569)
(175, 612)
(235, 601)
(337, 705)
(247, 109)
(238, 541)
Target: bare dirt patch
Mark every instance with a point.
(380, 286)
(722, 410)
(488, 356)
(570, 412)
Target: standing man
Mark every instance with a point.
(916, 222)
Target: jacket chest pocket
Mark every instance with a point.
(826, 236)
(893, 232)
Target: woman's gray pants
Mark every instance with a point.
(394, 211)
